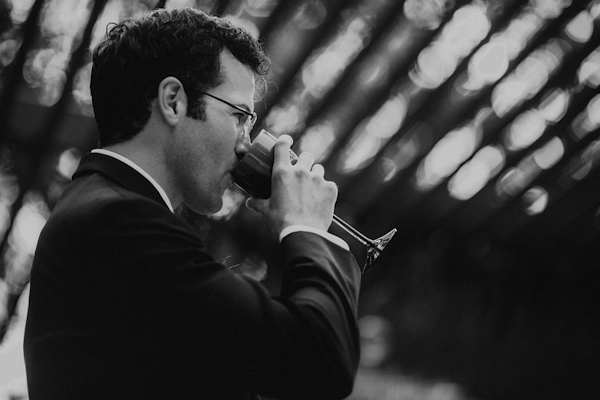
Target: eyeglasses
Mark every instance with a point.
(250, 116)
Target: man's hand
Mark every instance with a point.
(300, 195)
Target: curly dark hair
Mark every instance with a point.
(137, 54)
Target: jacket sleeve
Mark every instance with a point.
(322, 281)
(303, 343)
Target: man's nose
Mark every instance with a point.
(242, 146)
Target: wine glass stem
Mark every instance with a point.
(352, 231)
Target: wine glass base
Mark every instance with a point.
(375, 248)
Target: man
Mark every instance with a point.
(125, 303)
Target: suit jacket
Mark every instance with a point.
(125, 304)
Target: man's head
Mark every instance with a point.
(172, 91)
(137, 54)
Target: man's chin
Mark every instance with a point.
(216, 204)
(216, 210)
(207, 208)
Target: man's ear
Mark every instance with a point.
(171, 100)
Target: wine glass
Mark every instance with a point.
(253, 175)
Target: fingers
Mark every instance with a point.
(282, 151)
(318, 169)
(300, 195)
(305, 160)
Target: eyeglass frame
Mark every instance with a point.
(252, 115)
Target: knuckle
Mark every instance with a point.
(301, 173)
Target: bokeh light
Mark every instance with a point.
(475, 174)
(469, 25)
(535, 200)
(446, 156)
(370, 135)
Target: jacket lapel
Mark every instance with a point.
(119, 173)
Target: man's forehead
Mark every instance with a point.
(236, 75)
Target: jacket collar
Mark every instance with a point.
(118, 172)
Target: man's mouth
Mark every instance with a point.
(230, 179)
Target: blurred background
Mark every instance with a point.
(470, 126)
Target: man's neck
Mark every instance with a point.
(150, 161)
